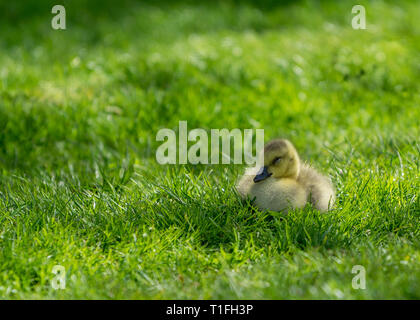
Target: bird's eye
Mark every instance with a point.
(276, 159)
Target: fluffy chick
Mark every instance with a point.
(284, 182)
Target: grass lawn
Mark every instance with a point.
(80, 186)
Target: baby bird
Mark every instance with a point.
(284, 183)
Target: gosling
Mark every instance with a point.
(285, 183)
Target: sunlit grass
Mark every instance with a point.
(80, 186)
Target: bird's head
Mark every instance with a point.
(280, 160)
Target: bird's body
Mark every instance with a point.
(272, 194)
(284, 182)
(319, 189)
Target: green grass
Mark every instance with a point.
(80, 186)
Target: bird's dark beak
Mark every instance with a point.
(262, 174)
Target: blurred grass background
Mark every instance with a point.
(79, 113)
